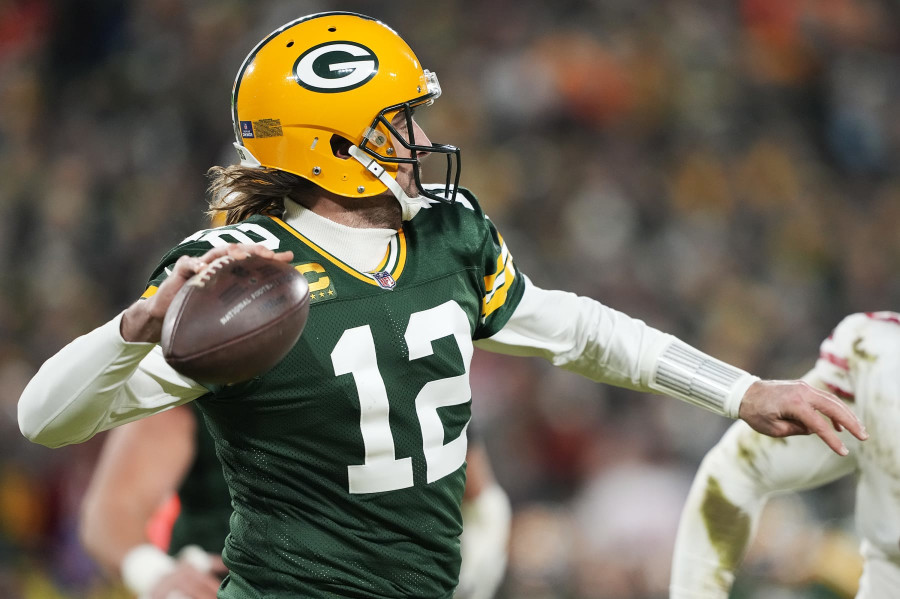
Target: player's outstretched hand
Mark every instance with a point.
(785, 408)
(143, 320)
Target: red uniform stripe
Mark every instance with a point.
(838, 361)
(884, 316)
(841, 393)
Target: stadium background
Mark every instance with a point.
(727, 171)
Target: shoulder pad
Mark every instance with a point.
(248, 231)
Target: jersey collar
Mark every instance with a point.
(385, 275)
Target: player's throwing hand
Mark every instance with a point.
(143, 320)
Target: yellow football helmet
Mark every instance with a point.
(335, 74)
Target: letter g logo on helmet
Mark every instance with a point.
(335, 67)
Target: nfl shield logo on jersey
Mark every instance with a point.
(385, 280)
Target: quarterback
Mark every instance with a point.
(146, 496)
(860, 362)
(346, 462)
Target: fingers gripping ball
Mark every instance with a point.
(235, 319)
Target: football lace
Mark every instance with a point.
(206, 274)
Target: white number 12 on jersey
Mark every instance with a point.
(355, 354)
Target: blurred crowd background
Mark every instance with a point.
(727, 171)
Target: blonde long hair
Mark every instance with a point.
(238, 192)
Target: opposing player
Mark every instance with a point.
(860, 362)
(345, 463)
(141, 466)
(170, 459)
(487, 517)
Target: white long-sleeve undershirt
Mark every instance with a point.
(584, 336)
(96, 382)
(100, 381)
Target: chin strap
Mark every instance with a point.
(410, 206)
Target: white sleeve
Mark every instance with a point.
(96, 382)
(591, 339)
(726, 499)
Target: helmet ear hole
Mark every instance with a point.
(340, 146)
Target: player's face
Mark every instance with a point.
(405, 176)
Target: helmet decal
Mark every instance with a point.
(335, 67)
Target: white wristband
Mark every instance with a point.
(196, 557)
(484, 543)
(688, 374)
(143, 566)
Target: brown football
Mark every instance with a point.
(235, 319)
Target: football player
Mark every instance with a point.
(139, 484)
(122, 516)
(859, 362)
(345, 463)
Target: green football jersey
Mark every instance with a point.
(346, 462)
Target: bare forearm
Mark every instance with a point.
(109, 531)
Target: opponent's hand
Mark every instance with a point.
(185, 582)
(142, 321)
(785, 408)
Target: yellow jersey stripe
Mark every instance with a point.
(401, 259)
(150, 292)
(497, 285)
(490, 280)
(324, 254)
(499, 296)
(390, 260)
(346, 268)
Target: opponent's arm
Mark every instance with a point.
(486, 524)
(583, 335)
(116, 373)
(140, 466)
(732, 486)
(135, 474)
